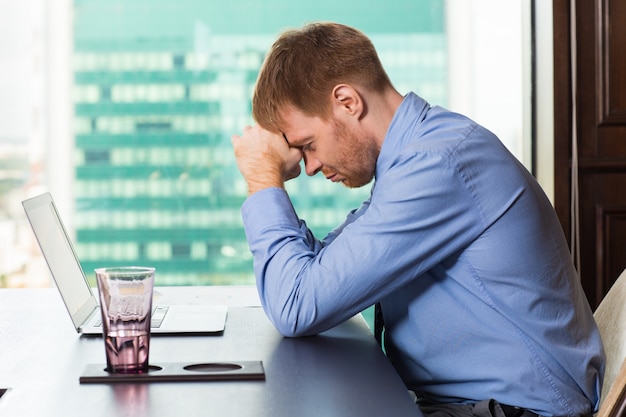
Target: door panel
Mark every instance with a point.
(600, 127)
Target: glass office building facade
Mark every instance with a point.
(160, 86)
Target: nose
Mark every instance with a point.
(311, 164)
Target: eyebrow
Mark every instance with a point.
(304, 140)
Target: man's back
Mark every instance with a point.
(495, 306)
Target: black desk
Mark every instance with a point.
(340, 373)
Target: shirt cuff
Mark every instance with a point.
(268, 208)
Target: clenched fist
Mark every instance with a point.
(265, 159)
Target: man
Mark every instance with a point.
(484, 314)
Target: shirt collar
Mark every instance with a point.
(411, 111)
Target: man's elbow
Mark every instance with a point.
(289, 326)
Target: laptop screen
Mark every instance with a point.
(58, 252)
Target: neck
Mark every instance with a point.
(380, 112)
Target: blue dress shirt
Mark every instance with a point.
(465, 254)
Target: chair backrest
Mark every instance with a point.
(614, 405)
(611, 318)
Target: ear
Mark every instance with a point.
(347, 101)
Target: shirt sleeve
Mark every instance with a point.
(420, 213)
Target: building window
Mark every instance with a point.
(144, 172)
(168, 91)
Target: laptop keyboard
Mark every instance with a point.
(158, 314)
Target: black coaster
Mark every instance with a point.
(179, 372)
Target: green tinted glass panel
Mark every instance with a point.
(159, 89)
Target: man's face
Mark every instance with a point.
(339, 151)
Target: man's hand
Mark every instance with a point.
(265, 159)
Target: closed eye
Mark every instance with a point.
(306, 147)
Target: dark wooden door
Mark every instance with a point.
(597, 99)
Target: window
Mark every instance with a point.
(132, 104)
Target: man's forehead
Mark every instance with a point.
(299, 127)
(290, 117)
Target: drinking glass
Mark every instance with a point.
(126, 306)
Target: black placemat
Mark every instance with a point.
(179, 372)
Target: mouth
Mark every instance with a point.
(333, 178)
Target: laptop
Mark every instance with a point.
(79, 299)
